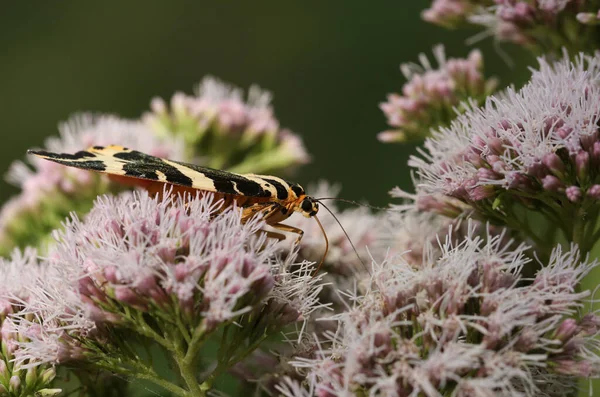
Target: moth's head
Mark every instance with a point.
(308, 206)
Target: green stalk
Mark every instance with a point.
(188, 373)
(138, 370)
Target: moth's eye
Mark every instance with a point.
(306, 205)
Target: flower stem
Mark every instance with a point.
(188, 373)
(142, 327)
(186, 360)
(578, 233)
(195, 344)
(138, 370)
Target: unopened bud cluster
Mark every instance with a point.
(540, 25)
(431, 97)
(227, 132)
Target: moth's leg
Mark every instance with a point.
(272, 234)
(267, 210)
(291, 229)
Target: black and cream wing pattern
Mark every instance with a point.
(121, 161)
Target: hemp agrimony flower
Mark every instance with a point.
(536, 149)
(51, 191)
(449, 13)
(430, 97)
(540, 25)
(14, 292)
(413, 234)
(226, 132)
(465, 324)
(170, 272)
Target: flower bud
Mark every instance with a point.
(582, 160)
(48, 392)
(573, 193)
(48, 375)
(552, 183)
(594, 192)
(3, 369)
(590, 324)
(158, 106)
(587, 18)
(554, 164)
(31, 375)
(14, 384)
(582, 369)
(566, 330)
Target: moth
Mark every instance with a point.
(273, 197)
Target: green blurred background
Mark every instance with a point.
(328, 64)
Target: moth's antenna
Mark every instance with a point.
(326, 246)
(347, 236)
(356, 203)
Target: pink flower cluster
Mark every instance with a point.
(217, 116)
(15, 292)
(224, 104)
(520, 21)
(465, 323)
(430, 96)
(144, 253)
(539, 146)
(181, 261)
(449, 13)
